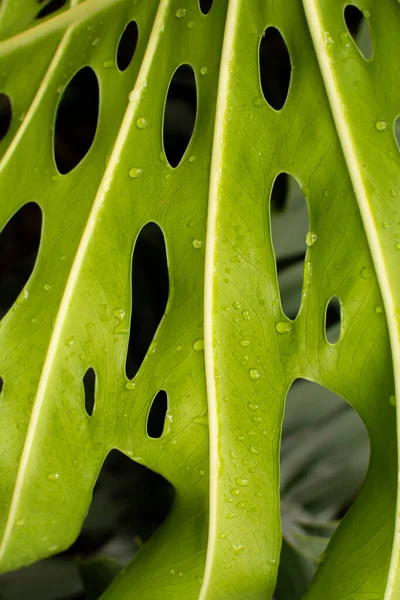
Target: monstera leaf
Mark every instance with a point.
(224, 354)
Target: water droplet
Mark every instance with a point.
(393, 193)
(135, 173)
(251, 432)
(108, 64)
(345, 39)
(142, 123)
(283, 327)
(381, 125)
(180, 574)
(252, 406)
(192, 159)
(231, 516)
(237, 305)
(246, 315)
(311, 238)
(272, 561)
(172, 571)
(392, 400)
(366, 273)
(238, 549)
(223, 535)
(202, 472)
(242, 481)
(257, 102)
(33, 320)
(385, 225)
(24, 295)
(167, 176)
(244, 343)
(235, 492)
(198, 345)
(203, 70)
(96, 41)
(191, 25)
(181, 12)
(236, 258)
(191, 224)
(378, 309)
(179, 348)
(47, 287)
(254, 450)
(232, 454)
(70, 341)
(53, 476)
(197, 244)
(254, 374)
(130, 385)
(21, 521)
(256, 419)
(397, 246)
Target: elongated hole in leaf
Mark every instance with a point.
(179, 114)
(157, 414)
(5, 115)
(206, 6)
(50, 8)
(359, 30)
(129, 504)
(1, 384)
(89, 384)
(333, 320)
(324, 459)
(397, 131)
(127, 45)
(17, 260)
(289, 229)
(76, 120)
(150, 288)
(274, 67)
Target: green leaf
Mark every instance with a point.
(226, 395)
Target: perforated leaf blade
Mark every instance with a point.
(224, 351)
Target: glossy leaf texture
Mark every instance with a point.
(224, 353)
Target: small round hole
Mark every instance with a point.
(206, 6)
(157, 414)
(127, 46)
(5, 115)
(50, 8)
(333, 320)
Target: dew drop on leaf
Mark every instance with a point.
(181, 12)
(392, 400)
(381, 125)
(53, 476)
(191, 25)
(135, 173)
(203, 70)
(283, 327)
(198, 345)
(311, 238)
(142, 122)
(254, 374)
(130, 385)
(253, 406)
(246, 315)
(197, 244)
(242, 481)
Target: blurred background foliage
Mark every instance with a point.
(325, 448)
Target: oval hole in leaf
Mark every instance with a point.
(289, 228)
(397, 132)
(76, 120)
(127, 45)
(179, 114)
(333, 320)
(324, 459)
(19, 247)
(5, 115)
(157, 414)
(50, 8)
(150, 289)
(129, 504)
(89, 385)
(275, 68)
(1, 384)
(206, 6)
(359, 30)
